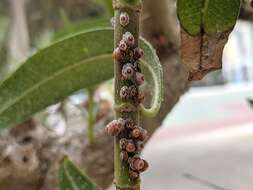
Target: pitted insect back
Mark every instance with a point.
(124, 19)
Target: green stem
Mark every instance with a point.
(121, 176)
(91, 116)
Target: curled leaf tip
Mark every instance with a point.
(154, 76)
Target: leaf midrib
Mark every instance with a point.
(70, 178)
(11, 103)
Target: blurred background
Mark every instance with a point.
(201, 140)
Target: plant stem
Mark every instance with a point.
(122, 179)
(91, 117)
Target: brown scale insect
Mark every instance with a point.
(132, 91)
(133, 174)
(118, 55)
(121, 123)
(136, 132)
(146, 166)
(130, 147)
(136, 163)
(124, 19)
(144, 135)
(138, 53)
(123, 143)
(113, 128)
(129, 39)
(139, 77)
(124, 92)
(128, 71)
(129, 124)
(135, 66)
(122, 45)
(139, 146)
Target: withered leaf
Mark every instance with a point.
(205, 28)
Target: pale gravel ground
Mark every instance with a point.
(220, 160)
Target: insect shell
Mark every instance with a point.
(134, 174)
(145, 167)
(138, 53)
(130, 146)
(122, 143)
(118, 54)
(132, 91)
(139, 77)
(129, 124)
(124, 92)
(136, 132)
(122, 45)
(139, 146)
(121, 123)
(136, 163)
(144, 135)
(113, 128)
(128, 71)
(135, 66)
(127, 109)
(129, 39)
(124, 19)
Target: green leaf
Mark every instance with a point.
(71, 178)
(220, 16)
(54, 73)
(153, 73)
(212, 16)
(190, 15)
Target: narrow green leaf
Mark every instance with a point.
(71, 178)
(154, 76)
(52, 74)
(212, 16)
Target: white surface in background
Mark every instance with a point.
(209, 103)
(222, 158)
(237, 56)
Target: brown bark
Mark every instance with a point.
(19, 38)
